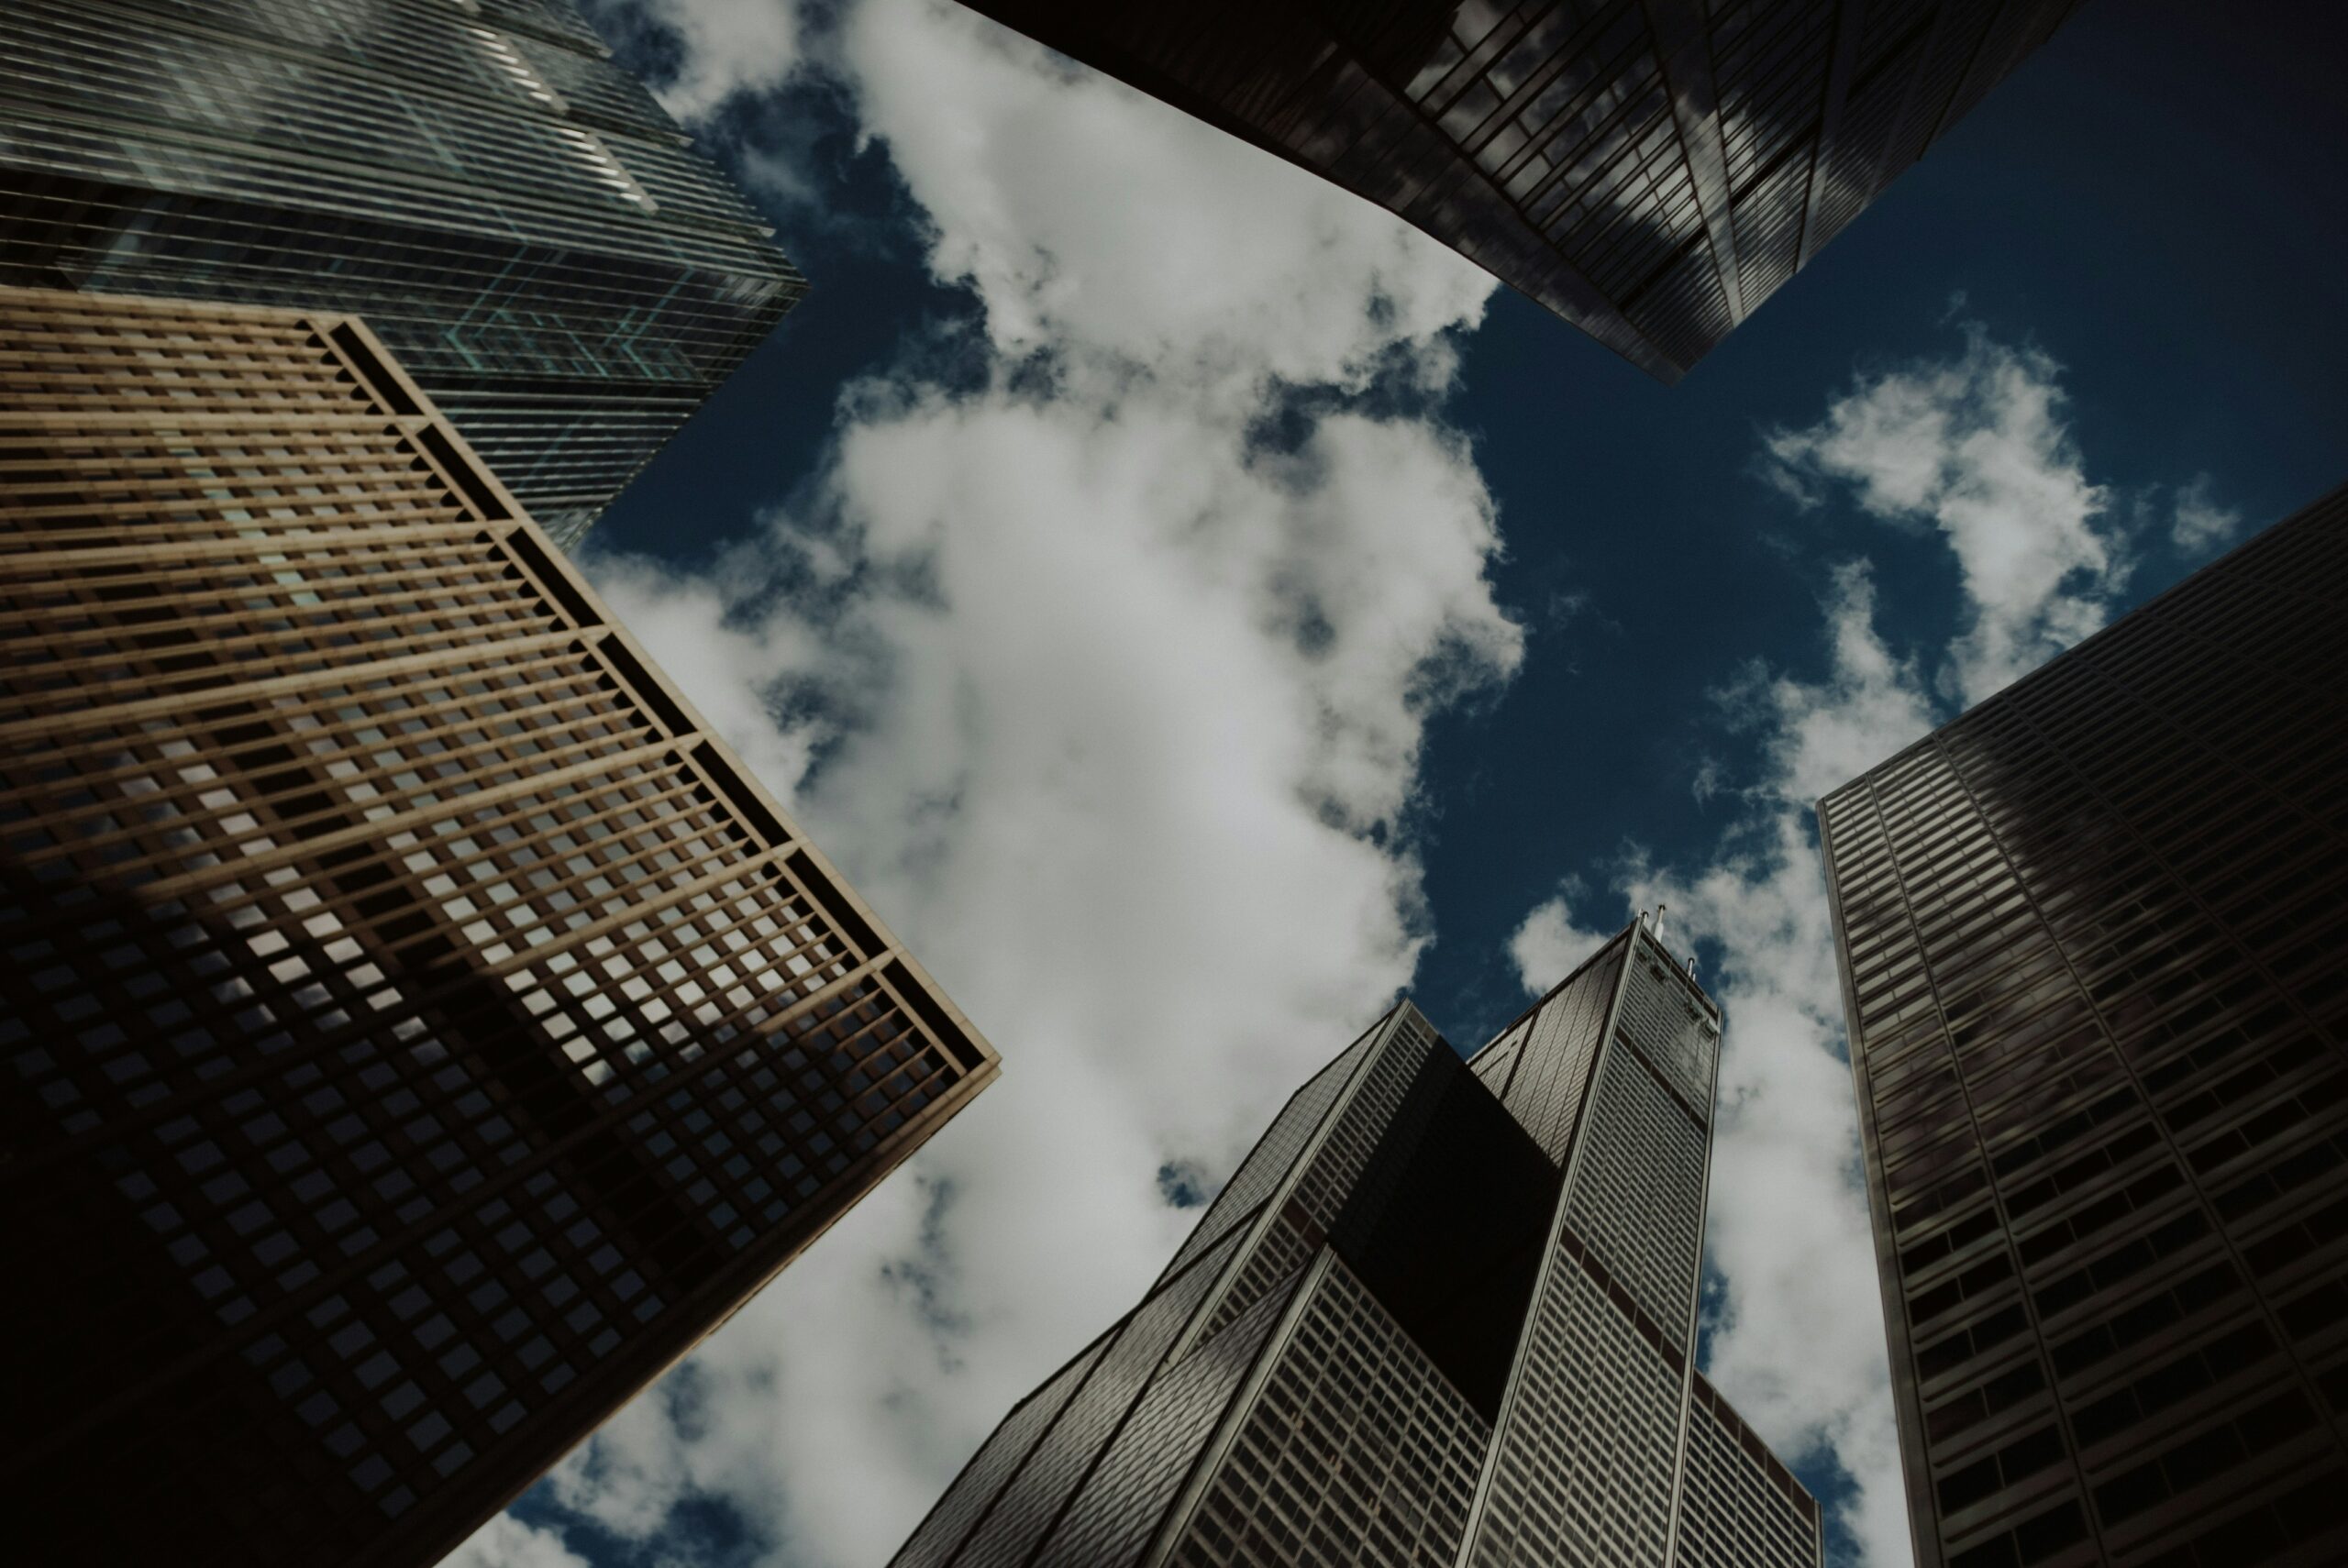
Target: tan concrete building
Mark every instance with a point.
(422, 1030)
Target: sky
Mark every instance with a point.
(1193, 607)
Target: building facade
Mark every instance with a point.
(508, 210)
(2094, 945)
(421, 1029)
(1442, 1317)
(1649, 169)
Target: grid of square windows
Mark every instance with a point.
(1636, 1196)
(1589, 1385)
(1671, 1026)
(418, 1031)
(1356, 1450)
(1739, 1507)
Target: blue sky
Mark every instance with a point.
(1193, 607)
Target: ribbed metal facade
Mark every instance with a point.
(508, 210)
(2094, 939)
(1649, 169)
(1439, 1319)
(420, 1030)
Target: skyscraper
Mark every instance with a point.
(1441, 1315)
(1649, 169)
(420, 1029)
(511, 212)
(2094, 942)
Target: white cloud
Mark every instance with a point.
(1094, 219)
(2198, 523)
(1111, 705)
(724, 48)
(507, 1543)
(1819, 737)
(1974, 446)
(1549, 944)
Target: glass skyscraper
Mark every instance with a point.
(513, 215)
(1649, 169)
(419, 1030)
(2094, 945)
(1443, 1316)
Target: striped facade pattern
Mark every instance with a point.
(2094, 942)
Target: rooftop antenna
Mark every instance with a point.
(1658, 920)
(1691, 965)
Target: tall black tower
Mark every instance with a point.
(1444, 1314)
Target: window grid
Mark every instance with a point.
(2092, 937)
(512, 213)
(419, 1032)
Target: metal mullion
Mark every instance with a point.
(361, 617)
(644, 967)
(781, 1020)
(341, 753)
(80, 332)
(2206, 1200)
(659, 797)
(2025, 1296)
(140, 503)
(339, 901)
(400, 1244)
(661, 893)
(868, 1126)
(372, 473)
(365, 833)
(1560, 162)
(415, 556)
(198, 789)
(156, 420)
(572, 880)
(20, 628)
(66, 364)
(30, 731)
(187, 688)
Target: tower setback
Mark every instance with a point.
(1443, 1316)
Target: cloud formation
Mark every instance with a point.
(723, 49)
(507, 1542)
(2197, 524)
(1974, 448)
(1549, 943)
(1103, 672)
